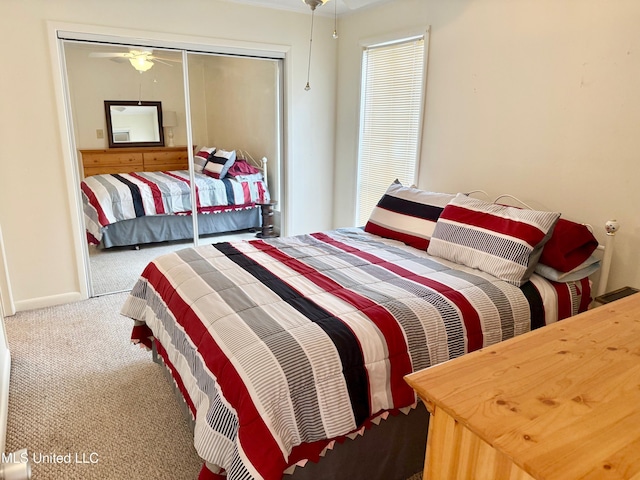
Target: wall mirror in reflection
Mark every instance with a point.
(134, 123)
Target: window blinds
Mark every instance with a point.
(390, 119)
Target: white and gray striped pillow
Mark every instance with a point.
(503, 241)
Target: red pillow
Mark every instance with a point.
(242, 167)
(570, 244)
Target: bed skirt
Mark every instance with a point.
(394, 449)
(164, 228)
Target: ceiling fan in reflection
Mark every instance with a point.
(141, 60)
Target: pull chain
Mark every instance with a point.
(335, 20)
(308, 87)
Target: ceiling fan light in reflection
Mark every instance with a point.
(142, 64)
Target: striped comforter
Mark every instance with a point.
(282, 342)
(114, 197)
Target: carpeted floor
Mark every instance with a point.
(81, 391)
(79, 387)
(117, 269)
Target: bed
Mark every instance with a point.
(140, 207)
(286, 349)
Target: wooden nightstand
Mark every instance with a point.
(267, 220)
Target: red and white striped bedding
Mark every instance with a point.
(280, 345)
(111, 198)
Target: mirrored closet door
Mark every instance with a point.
(139, 150)
(235, 109)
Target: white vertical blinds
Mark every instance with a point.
(390, 119)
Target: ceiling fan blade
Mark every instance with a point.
(107, 54)
(153, 57)
(156, 59)
(119, 59)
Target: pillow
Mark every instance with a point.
(219, 163)
(503, 241)
(200, 158)
(242, 167)
(570, 245)
(407, 214)
(586, 268)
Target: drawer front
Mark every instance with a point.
(107, 169)
(111, 159)
(173, 160)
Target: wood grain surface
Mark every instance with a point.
(561, 402)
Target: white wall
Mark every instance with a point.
(535, 97)
(36, 213)
(538, 98)
(242, 109)
(94, 80)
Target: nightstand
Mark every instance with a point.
(267, 220)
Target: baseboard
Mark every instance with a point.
(51, 301)
(6, 297)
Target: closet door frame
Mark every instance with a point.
(58, 32)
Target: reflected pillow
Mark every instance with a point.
(200, 158)
(242, 167)
(219, 163)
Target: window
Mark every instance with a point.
(390, 118)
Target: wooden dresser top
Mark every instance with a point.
(133, 149)
(562, 402)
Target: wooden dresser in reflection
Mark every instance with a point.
(138, 159)
(559, 403)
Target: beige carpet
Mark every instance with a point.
(78, 387)
(117, 269)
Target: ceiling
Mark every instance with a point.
(339, 6)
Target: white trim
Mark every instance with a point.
(192, 171)
(50, 301)
(69, 154)
(60, 31)
(145, 38)
(7, 306)
(423, 103)
(397, 36)
(286, 143)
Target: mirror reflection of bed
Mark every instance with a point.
(234, 106)
(131, 218)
